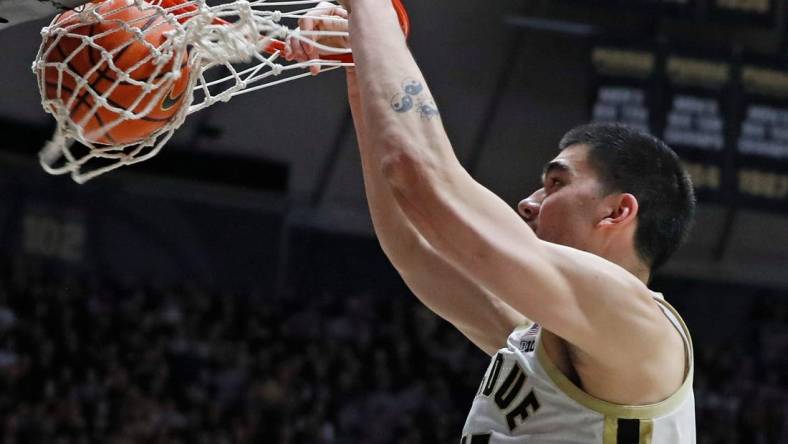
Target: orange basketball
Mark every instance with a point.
(86, 61)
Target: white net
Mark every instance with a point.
(122, 75)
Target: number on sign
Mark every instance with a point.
(53, 238)
(763, 184)
(757, 6)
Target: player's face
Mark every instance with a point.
(565, 210)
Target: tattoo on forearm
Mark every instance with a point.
(412, 87)
(401, 103)
(428, 109)
(410, 97)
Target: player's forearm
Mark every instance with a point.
(401, 120)
(375, 127)
(406, 145)
(400, 112)
(397, 236)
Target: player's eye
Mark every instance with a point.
(552, 183)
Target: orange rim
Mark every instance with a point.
(278, 45)
(404, 23)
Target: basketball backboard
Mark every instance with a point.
(13, 12)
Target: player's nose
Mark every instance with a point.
(529, 208)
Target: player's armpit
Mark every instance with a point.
(483, 318)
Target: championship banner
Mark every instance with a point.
(760, 13)
(144, 228)
(696, 120)
(625, 85)
(762, 145)
(684, 8)
(744, 12)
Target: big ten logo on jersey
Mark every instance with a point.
(513, 397)
(528, 339)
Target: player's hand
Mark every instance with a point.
(348, 4)
(302, 51)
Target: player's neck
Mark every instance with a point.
(630, 261)
(619, 247)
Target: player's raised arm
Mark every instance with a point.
(480, 316)
(476, 312)
(594, 304)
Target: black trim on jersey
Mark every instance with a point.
(628, 431)
(476, 439)
(493, 378)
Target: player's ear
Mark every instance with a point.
(620, 209)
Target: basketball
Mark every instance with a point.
(121, 81)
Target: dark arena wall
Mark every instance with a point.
(231, 289)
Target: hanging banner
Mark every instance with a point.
(684, 8)
(624, 85)
(697, 117)
(746, 12)
(762, 145)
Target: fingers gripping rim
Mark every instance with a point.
(404, 23)
(186, 10)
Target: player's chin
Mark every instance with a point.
(545, 235)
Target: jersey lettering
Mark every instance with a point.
(493, 376)
(517, 401)
(521, 411)
(527, 345)
(508, 391)
(510, 388)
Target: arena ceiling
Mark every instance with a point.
(464, 50)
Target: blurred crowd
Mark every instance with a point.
(741, 383)
(96, 362)
(89, 361)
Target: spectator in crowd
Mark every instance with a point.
(96, 362)
(90, 361)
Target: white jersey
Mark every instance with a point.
(525, 399)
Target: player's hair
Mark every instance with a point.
(632, 161)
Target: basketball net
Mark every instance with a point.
(229, 49)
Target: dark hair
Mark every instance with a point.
(632, 161)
